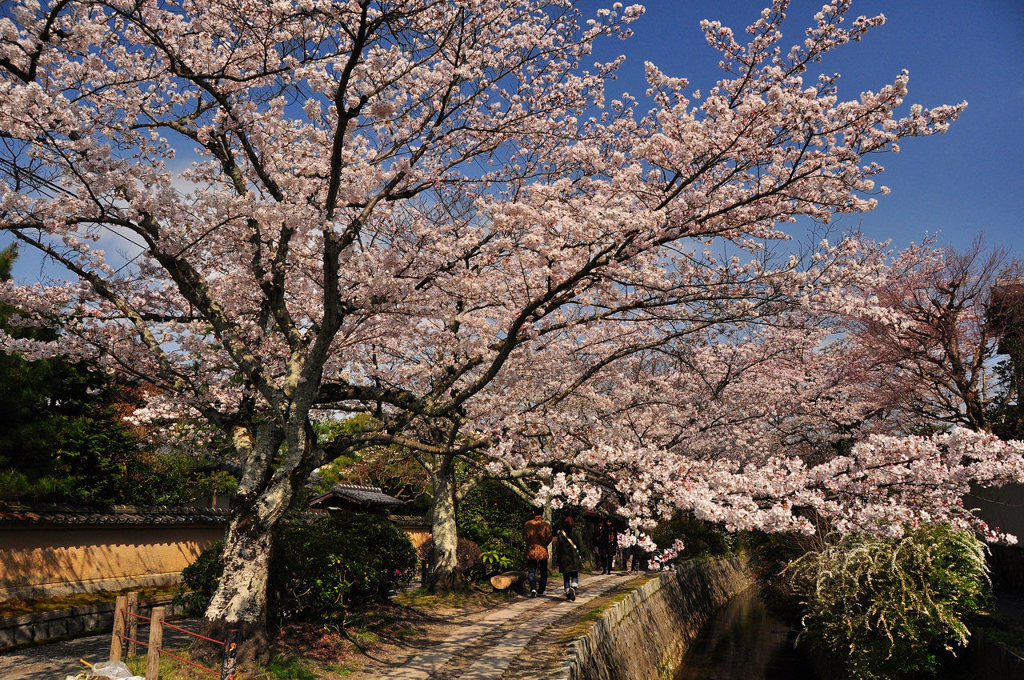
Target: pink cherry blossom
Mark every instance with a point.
(432, 213)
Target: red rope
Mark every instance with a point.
(138, 616)
(164, 651)
(146, 618)
(191, 633)
(190, 663)
(138, 642)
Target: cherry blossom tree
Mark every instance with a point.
(773, 432)
(408, 209)
(786, 421)
(931, 359)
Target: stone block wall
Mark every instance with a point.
(645, 636)
(70, 622)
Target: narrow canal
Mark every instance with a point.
(745, 641)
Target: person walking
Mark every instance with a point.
(634, 555)
(607, 545)
(537, 535)
(569, 557)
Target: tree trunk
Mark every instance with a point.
(265, 491)
(240, 601)
(446, 576)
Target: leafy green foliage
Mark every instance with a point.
(65, 439)
(389, 467)
(492, 517)
(321, 567)
(890, 608)
(318, 569)
(199, 581)
(1006, 410)
(494, 562)
(700, 539)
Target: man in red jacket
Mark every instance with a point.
(537, 535)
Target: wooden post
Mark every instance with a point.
(156, 638)
(227, 667)
(120, 604)
(133, 623)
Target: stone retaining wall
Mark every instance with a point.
(992, 659)
(18, 630)
(645, 636)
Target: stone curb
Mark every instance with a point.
(581, 652)
(71, 622)
(583, 647)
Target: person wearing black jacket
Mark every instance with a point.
(607, 545)
(569, 557)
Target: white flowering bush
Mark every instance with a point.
(891, 607)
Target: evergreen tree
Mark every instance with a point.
(64, 438)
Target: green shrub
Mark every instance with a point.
(199, 581)
(495, 562)
(700, 538)
(321, 567)
(492, 517)
(890, 608)
(318, 568)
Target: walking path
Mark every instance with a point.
(484, 650)
(481, 650)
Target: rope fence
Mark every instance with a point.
(126, 618)
(171, 625)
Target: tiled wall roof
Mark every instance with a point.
(118, 515)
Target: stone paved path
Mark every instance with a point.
(515, 626)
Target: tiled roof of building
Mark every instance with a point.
(410, 520)
(354, 493)
(119, 515)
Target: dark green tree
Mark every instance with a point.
(492, 516)
(64, 438)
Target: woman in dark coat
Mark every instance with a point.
(607, 545)
(569, 557)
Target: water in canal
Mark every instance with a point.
(745, 641)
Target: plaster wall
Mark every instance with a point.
(60, 560)
(417, 535)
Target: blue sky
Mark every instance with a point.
(955, 186)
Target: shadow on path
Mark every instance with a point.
(55, 660)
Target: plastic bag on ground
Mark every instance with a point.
(115, 670)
